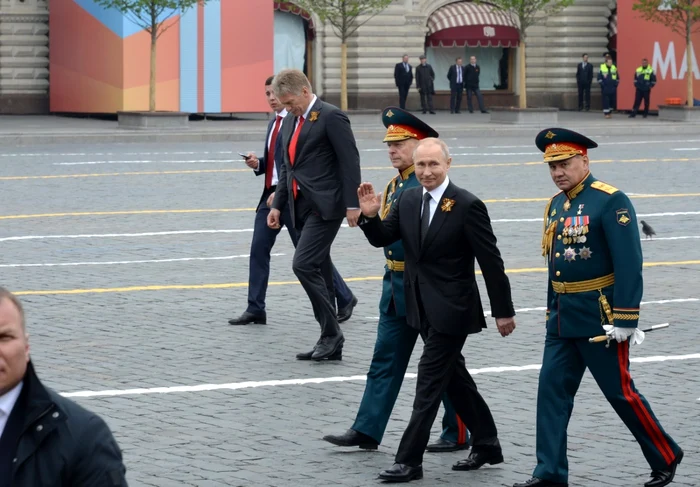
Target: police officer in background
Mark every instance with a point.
(609, 78)
(594, 254)
(644, 81)
(395, 338)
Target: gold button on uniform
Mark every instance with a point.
(558, 273)
(558, 237)
(401, 185)
(557, 254)
(389, 252)
(561, 219)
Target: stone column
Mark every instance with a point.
(24, 56)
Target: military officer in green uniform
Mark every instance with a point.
(395, 339)
(594, 255)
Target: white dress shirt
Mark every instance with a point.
(436, 196)
(7, 402)
(282, 114)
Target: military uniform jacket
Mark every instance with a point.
(594, 254)
(392, 286)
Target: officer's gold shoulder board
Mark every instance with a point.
(623, 217)
(604, 187)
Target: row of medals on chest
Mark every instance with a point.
(575, 228)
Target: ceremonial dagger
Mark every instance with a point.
(607, 338)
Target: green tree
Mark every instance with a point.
(523, 14)
(682, 17)
(152, 16)
(345, 17)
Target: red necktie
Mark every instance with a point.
(293, 153)
(271, 154)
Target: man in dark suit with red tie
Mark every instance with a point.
(264, 237)
(318, 182)
(444, 229)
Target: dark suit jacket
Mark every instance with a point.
(327, 164)
(401, 76)
(262, 166)
(443, 267)
(584, 77)
(452, 76)
(424, 78)
(471, 76)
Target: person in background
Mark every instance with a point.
(425, 78)
(584, 79)
(471, 82)
(609, 79)
(403, 77)
(644, 81)
(456, 77)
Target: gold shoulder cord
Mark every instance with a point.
(384, 211)
(547, 231)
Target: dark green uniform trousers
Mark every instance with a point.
(392, 352)
(563, 365)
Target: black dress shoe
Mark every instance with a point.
(402, 473)
(659, 478)
(535, 482)
(248, 318)
(353, 438)
(484, 111)
(443, 445)
(327, 347)
(478, 459)
(345, 312)
(338, 355)
(432, 112)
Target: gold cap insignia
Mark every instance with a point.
(550, 135)
(389, 114)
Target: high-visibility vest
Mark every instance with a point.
(613, 70)
(648, 71)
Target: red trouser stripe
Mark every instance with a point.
(638, 407)
(461, 432)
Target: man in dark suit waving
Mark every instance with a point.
(443, 229)
(318, 180)
(264, 237)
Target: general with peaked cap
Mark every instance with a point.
(395, 339)
(594, 256)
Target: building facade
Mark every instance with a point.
(442, 29)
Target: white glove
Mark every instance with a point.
(621, 334)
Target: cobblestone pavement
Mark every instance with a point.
(131, 258)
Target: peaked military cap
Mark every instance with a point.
(402, 125)
(559, 144)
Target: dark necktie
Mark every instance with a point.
(425, 217)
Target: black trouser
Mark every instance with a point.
(442, 369)
(475, 90)
(426, 101)
(312, 263)
(456, 97)
(403, 94)
(638, 97)
(584, 96)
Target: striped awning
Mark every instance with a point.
(466, 23)
(293, 9)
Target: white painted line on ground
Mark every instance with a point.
(685, 237)
(92, 163)
(487, 314)
(86, 154)
(322, 380)
(124, 262)
(119, 235)
(686, 148)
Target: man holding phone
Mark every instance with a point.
(264, 237)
